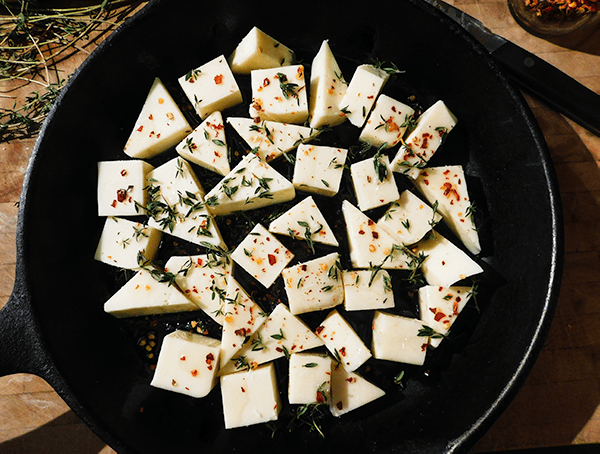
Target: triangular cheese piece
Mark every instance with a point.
(257, 50)
(350, 391)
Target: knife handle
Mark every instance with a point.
(551, 85)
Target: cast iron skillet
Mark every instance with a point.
(54, 325)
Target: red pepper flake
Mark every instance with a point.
(320, 397)
(141, 128)
(173, 382)
(320, 329)
(242, 388)
(343, 351)
(114, 204)
(150, 117)
(375, 234)
(272, 259)
(121, 195)
(123, 172)
(194, 373)
(219, 79)
(182, 358)
(438, 316)
(423, 347)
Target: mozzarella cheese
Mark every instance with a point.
(309, 378)
(350, 391)
(387, 123)
(373, 182)
(319, 169)
(257, 50)
(364, 87)
(396, 338)
(367, 290)
(121, 187)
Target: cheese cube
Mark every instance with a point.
(363, 89)
(203, 279)
(187, 364)
(211, 87)
(350, 391)
(207, 145)
(305, 221)
(270, 139)
(327, 88)
(367, 290)
(160, 125)
(250, 397)
(314, 285)
(408, 219)
(279, 94)
(143, 295)
(309, 378)
(396, 338)
(257, 50)
(121, 187)
(447, 187)
(422, 142)
(373, 182)
(250, 185)
(387, 123)
(176, 204)
(262, 255)
(318, 169)
(122, 241)
(342, 341)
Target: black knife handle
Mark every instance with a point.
(551, 85)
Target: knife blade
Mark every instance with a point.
(544, 81)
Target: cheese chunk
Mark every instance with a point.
(121, 187)
(408, 219)
(314, 285)
(371, 246)
(257, 50)
(327, 88)
(122, 241)
(342, 341)
(387, 123)
(445, 263)
(318, 169)
(447, 187)
(143, 295)
(422, 142)
(203, 279)
(160, 125)
(350, 391)
(279, 94)
(270, 139)
(304, 220)
(250, 397)
(176, 204)
(373, 182)
(211, 87)
(367, 290)
(363, 89)
(207, 145)
(396, 338)
(262, 255)
(310, 378)
(439, 307)
(187, 364)
(250, 185)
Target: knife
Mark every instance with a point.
(543, 80)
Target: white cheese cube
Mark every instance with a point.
(203, 279)
(445, 263)
(143, 295)
(327, 88)
(304, 221)
(121, 187)
(262, 255)
(314, 285)
(350, 391)
(363, 89)
(250, 397)
(422, 142)
(447, 187)
(250, 185)
(176, 204)
(211, 87)
(396, 338)
(342, 341)
(257, 50)
(318, 169)
(309, 378)
(367, 290)
(279, 94)
(369, 245)
(408, 219)
(187, 364)
(122, 241)
(207, 145)
(270, 139)
(159, 126)
(374, 183)
(387, 123)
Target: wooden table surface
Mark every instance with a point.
(559, 403)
